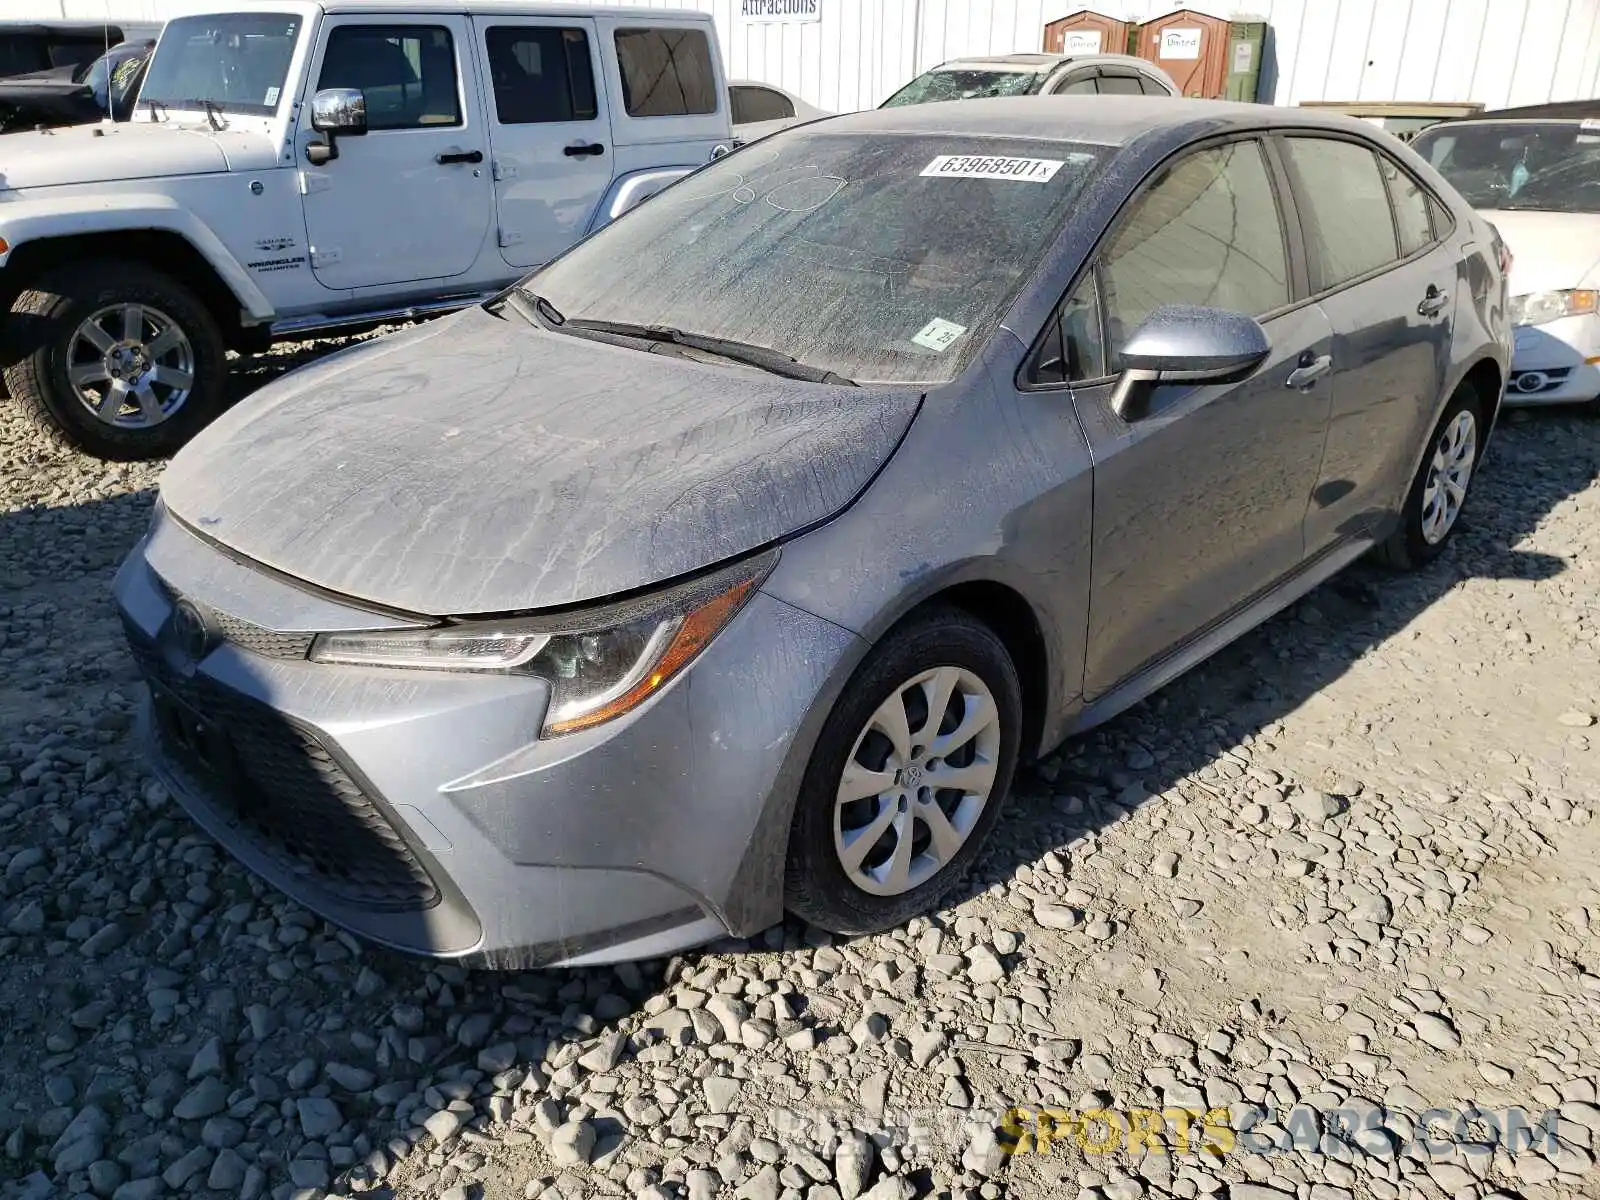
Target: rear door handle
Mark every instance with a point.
(1433, 302)
(581, 149)
(1309, 371)
(460, 156)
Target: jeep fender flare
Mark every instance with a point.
(57, 218)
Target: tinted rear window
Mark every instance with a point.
(666, 72)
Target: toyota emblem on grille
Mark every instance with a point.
(190, 631)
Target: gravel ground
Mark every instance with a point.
(1344, 874)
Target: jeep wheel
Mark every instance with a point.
(115, 359)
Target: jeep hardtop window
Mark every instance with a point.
(874, 257)
(236, 62)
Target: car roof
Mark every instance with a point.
(1100, 120)
(1564, 110)
(1040, 63)
(513, 8)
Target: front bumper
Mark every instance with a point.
(420, 809)
(1550, 363)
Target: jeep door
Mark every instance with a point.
(411, 200)
(549, 131)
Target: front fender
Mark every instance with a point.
(36, 220)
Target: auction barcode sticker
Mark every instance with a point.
(975, 166)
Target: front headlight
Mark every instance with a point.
(599, 664)
(1540, 308)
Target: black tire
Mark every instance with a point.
(816, 885)
(1408, 548)
(40, 330)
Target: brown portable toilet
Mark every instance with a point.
(1192, 48)
(1087, 32)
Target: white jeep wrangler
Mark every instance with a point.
(298, 166)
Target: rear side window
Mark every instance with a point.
(1345, 207)
(408, 73)
(752, 104)
(540, 74)
(666, 72)
(1077, 85)
(1208, 233)
(1410, 208)
(1119, 85)
(1152, 87)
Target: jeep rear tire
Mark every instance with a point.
(114, 359)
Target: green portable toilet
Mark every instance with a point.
(1246, 41)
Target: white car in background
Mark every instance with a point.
(1534, 173)
(763, 108)
(1036, 75)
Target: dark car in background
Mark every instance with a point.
(30, 46)
(106, 87)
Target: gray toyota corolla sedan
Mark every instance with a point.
(732, 562)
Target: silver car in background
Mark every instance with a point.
(730, 563)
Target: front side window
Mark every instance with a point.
(1207, 233)
(1072, 350)
(754, 104)
(962, 83)
(1546, 166)
(1410, 208)
(1077, 85)
(540, 74)
(666, 72)
(238, 62)
(882, 258)
(407, 73)
(1344, 207)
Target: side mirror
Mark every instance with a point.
(336, 113)
(1182, 343)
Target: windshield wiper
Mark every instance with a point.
(751, 355)
(213, 113)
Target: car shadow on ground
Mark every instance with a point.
(553, 1018)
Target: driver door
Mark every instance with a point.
(411, 201)
(1200, 500)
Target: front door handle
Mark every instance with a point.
(1309, 371)
(581, 149)
(1433, 302)
(460, 156)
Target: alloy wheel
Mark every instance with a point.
(917, 780)
(130, 365)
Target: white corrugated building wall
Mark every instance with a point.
(1494, 52)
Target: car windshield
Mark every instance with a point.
(965, 84)
(884, 258)
(235, 61)
(1550, 166)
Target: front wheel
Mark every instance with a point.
(115, 359)
(1439, 492)
(907, 776)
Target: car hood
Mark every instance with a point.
(107, 153)
(478, 465)
(1550, 250)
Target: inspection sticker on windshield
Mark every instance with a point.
(938, 334)
(976, 166)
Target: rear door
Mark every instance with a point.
(1200, 501)
(670, 104)
(410, 201)
(1388, 284)
(549, 131)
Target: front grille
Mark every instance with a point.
(247, 635)
(285, 791)
(265, 642)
